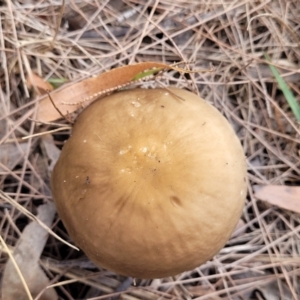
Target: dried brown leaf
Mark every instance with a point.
(76, 93)
(287, 197)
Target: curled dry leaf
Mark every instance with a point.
(286, 197)
(27, 254)
(74, 96)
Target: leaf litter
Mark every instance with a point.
(95, 38)
(26, 254)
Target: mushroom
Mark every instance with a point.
(151, 183)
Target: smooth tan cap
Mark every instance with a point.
(149, 184)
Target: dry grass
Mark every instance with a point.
(262, 260)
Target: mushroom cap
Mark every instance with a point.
(150, 184)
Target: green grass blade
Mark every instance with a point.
(290, 98)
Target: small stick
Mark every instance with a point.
(46, 132)
(46, 123)
(61, 114)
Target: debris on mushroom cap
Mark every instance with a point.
(151, 183)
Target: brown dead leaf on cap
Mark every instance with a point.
(70, 98)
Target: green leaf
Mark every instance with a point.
(146, 73)
(57, 82)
